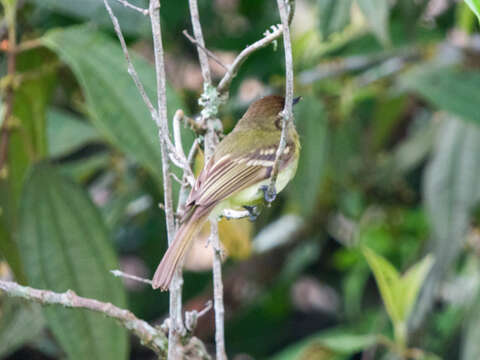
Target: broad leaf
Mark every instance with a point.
(448, 88)
(470, 345)
(334, 16)
(311, 122)
(475, 6)
(19, 323)
(377, 13)
(335, 342)
(451, 188)
(132, 22)
(66, 133)
(65, 245)
(411, 283)
(27, 140)
(388, 280)
(115, 106)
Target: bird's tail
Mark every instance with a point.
(178, 248)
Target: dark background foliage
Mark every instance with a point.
(390, 127)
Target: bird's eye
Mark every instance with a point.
(278, 122)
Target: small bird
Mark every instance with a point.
(236, 177)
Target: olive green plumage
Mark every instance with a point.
(233, 177)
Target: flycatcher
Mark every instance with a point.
(235, 177)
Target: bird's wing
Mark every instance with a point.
(228, 172)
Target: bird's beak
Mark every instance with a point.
(296, 100)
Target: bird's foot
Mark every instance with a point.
(252, 211)
(269, 194)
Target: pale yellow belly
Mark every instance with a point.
(253, 194)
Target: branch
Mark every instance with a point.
(10, 15)
(287, 114)
(131, 69)
(118, 273)
(269, 37)
(162, 124)
(131, 6)
(197, 31)
(205, 50)
(151, 337)
(176, 158)
(210, 104)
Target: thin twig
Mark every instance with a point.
(205, 50)
(269, 37)
(176, 178)
(177, 137)
(176, 288)
(118, 273)
(210, 143)
(191, 317)
(150, 336)
(131, 68)
(177, 159)
(131, 6)
(197, 31)
(10, 15)
(287, 114)
(183, 193)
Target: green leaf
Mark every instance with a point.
(334, 16)
(115, 106)
(27, 140)
(337, 341)
(66, 245)
(475, 6)
(66, 133)
(451, 188)
(20, 323)
(447, 88)
(470, 348)
(131, 21)
(411, 283)
(376, 13)
(311, 122)
(388, 280)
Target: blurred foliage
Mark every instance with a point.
(390, 131)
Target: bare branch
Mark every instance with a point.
(269, 37)
(197, 31)
(131, 6)
(218, 293)
(150, 336)
(205, 50)
(287, 114)
(191, 317)
(176, 158)
(177, 137)
(131, 68)
(182, 195)
(210, 142)
(118, 273)
(162, 123)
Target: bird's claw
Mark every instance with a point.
(252, 211)
(269, 194)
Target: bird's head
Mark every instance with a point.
(264, 114)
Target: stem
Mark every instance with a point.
(287, 114)
(197, 31)
(210, 143)
(176, 323)
(10, 13)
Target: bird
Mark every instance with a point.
(236, 177)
